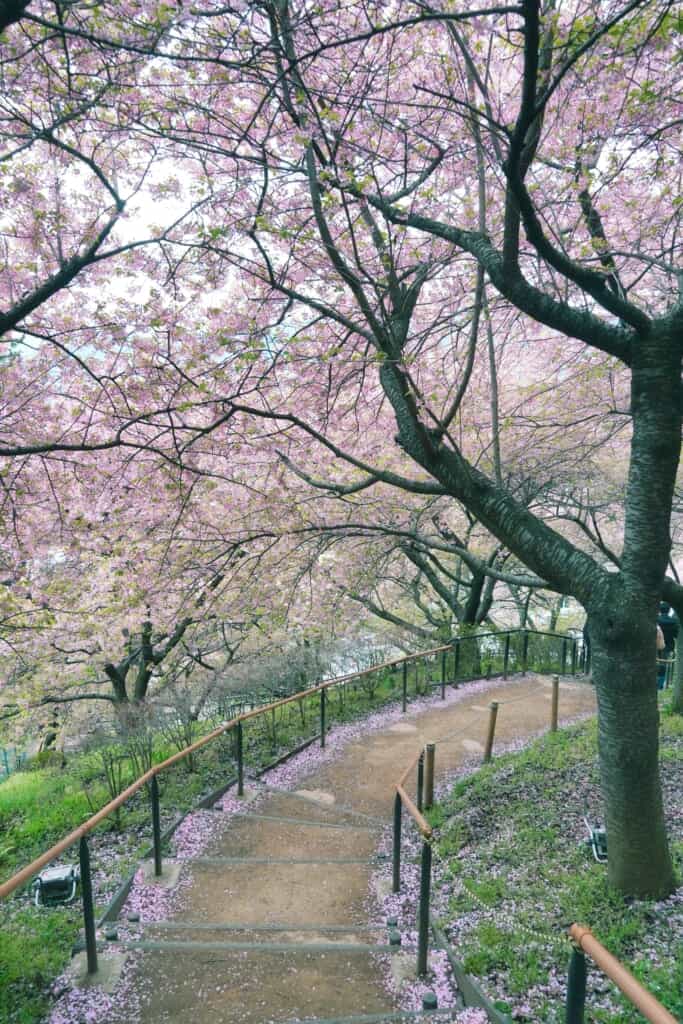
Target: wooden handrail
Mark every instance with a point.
(27, 872)
(419, 819)
(409, 768)
(650, 1007)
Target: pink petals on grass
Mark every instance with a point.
(82, 1006)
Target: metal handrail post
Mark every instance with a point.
(456, 660)
(506, 656)
(564, 657)
(576, 988)
(637, 994)
(525, 652)
(423, 913)
(240, 760)
(404, 697)
(156, 825)
(323, 694)
(88, 905)
(429, 775)
(420, 779)
(396, 872)
(443, 675)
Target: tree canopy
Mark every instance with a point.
(276, 273)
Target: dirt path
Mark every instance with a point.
(273, 923)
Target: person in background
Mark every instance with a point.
(668, 623)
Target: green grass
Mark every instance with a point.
(39, 949)
(517, 873)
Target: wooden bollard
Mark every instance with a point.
(492, 730)
(554, 704)
(429, 775)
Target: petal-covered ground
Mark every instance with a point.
(298, 856)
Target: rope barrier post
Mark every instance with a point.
(506, 656)
(156, 825)
(396, 873)
(420, 779)
(88, 905)
(576, 988)
(323, 702)
(423, 914)
(525, 652)
(429, 775)
(404, 696)
(240, 760)
(443, 675)
(554, 704)
(492, 730)
(456, 660)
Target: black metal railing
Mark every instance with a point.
(314, 711)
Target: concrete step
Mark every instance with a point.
(317, 804)
(200, 936)
(438, 1016)
(215, 983)
(208, 926)
(216, 862)
(298, 893)
(306, 822)
(190, 946)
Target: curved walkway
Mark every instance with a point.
(271, 922)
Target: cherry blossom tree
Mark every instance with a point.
(403, 169)
(377, 203)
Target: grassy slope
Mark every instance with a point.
(513, 871)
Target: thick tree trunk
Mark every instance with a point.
(469, 662)
(622, 605)
(471, 611)
(624, 672)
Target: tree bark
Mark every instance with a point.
(12, 11)
(623, 660)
